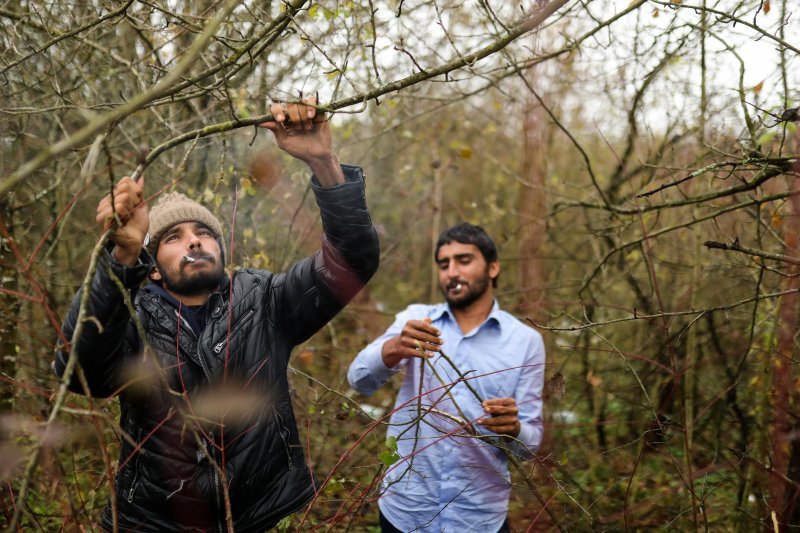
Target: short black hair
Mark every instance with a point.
(466, 233)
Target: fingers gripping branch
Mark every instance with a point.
(419, 338)
(303, 131)
(125, 213)
(504, 416)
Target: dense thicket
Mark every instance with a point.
(636, 163)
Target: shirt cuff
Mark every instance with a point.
(525, 434)
(522, 445)
(377, 368)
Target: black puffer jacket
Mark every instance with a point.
(228, 396)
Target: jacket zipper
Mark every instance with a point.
(199, 353)
(135, 482)
(284, 438)
(162, 336)
(218, 347)
(200, 358)
(212, 451)
(220, 507)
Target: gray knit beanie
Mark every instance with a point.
(174, 208)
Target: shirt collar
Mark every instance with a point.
(443, 309)
(494, 314)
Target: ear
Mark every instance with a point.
(494, 269)
(155, 275)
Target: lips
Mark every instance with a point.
(456, 287)
(194, 258)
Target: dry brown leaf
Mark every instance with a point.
(557, 386)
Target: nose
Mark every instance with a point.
(194, 241)
(452, 270)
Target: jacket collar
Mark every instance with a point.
(215, 297)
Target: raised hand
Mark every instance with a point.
(132, 214)
(303, 132)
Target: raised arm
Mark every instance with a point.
(411, 336)
(107, 338)
(315, 289)
(305, 134)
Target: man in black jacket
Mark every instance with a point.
(210, 441)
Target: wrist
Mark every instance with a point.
(513, 434)
(327, 170)
(390, 354)
(124, 256)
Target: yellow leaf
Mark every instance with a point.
(757, 88)
(776, 220)
(766, 7)
(593, 379)
(656, 12)
(465, 153)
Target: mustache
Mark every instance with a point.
(457, 285)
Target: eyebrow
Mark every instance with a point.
(170, 231)
(457, 256)
(179, 229)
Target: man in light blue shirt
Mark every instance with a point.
(471, 393)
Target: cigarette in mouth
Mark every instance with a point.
(189, 259)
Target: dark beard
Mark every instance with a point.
(200, 283)
(470, 294)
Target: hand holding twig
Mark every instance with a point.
(504, 418)
(419, 338)
(304, 132)
(125, 210)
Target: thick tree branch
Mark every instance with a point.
(101, 123)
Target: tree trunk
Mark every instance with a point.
(532, 212)
(9, 310)
(782, 386)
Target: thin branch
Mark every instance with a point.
(637, 316)
(61, 37)
(101, 123)
(732, 18)
(736, 247)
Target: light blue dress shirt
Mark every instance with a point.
(447, 479)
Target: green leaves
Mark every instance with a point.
(389, 456)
